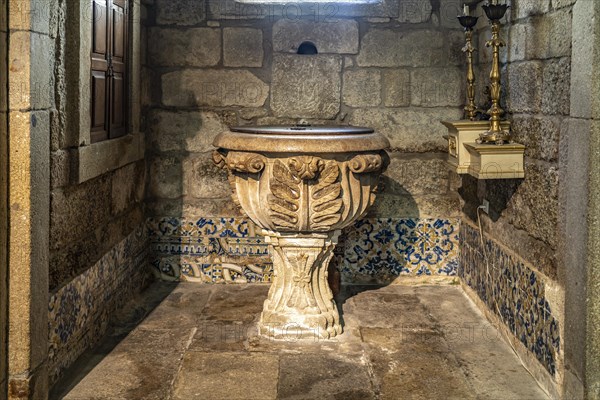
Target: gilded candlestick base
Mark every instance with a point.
(501, 137)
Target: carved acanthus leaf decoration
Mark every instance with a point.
(284, 200)
(326, 201)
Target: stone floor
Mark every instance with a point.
(200, 342)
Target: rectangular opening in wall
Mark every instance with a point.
(289, 2)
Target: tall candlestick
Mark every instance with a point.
(495, 134)
(466, 10)
(468, 23)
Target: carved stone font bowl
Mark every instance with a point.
(302, 185)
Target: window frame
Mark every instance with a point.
(91, 159)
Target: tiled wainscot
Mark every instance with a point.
(514, 291)
(80, 311)
(217, 250)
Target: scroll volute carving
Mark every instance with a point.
(365, 163)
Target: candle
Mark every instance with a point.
(494, 2)
(466, 10)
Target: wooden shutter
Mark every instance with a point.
(100, 64)
(118, 99)
(109, 69)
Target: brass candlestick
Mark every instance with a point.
(468, 23)
(495, 134)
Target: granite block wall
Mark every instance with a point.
(3, 198)
(522, 233)
(395, 66)
(98, 243)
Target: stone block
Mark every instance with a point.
(534, 206)
(193, 47)
(166, 177)
(409, 206)
(124, 185)
(525, 86)
(181, 12)
(33, 15)
(585, 89)
(362, 88)
(560, 33)
(527, 8)
(453, 54)
(449, 9)
(218, 88)
(78, 210)
(184, 130)
(3, 29)
(415, 11)
(3, 74)
(556, 92)
(396, 87)
(317, 10)
(306, 86)
(540, 135)
(331, 36)
(518, 43)
(435, 87)
(409, 130)
(203, 179)
(386, 48)
(193, 208)
(242, 47)
(556, 4)
(30, 81)
(251, 113)
(59, 168)
(417, 176)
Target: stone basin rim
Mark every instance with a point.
(303, 130)
(312, 140)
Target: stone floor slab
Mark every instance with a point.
(227, 376)
(143, 366)
(399, 342)
(323, 376)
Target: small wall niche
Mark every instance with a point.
(307, 48)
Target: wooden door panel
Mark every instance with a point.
(99, 31)
(117, 126)
(99, 127)
(118, 33)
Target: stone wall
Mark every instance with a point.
(395, 66)
(519, 273)
(3, 199)
(96, 206)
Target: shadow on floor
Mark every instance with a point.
(120, 325)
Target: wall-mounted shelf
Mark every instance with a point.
(491, 161)
(483, 161)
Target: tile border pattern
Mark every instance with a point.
(222, 250)
(513, 291)
(80, 311)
